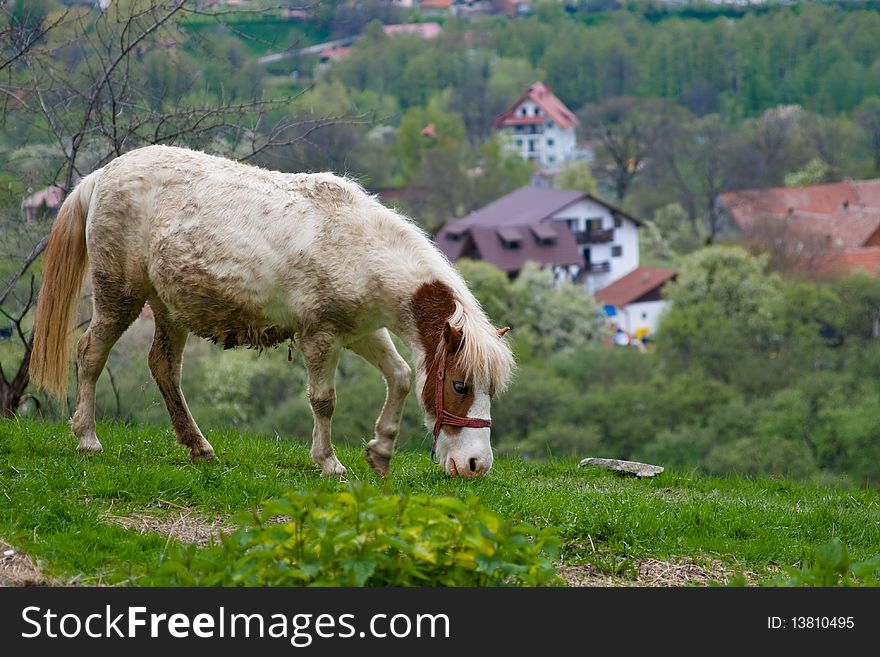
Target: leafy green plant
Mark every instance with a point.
(830, 565)
(361, 537)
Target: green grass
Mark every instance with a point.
(54, 502)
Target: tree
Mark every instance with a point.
(415, 140)
(814, 173)
(677, 229)
(497, 172)
(551, 317)
(867, 115)
(695, 155)
(576, 175)
(89, 108)
(721, 317)
(627, 129)
(490, 286)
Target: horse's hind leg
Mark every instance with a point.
(166, 361)
(109, 321)
(379, 350)
(321, 355)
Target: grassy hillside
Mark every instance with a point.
(107, 518)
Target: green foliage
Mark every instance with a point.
(814, 173)
(548, 317)
(830, 565)
(413, 144)
(490, 285)
(676, 228)
(576, 175)
(63, 508)
(721, 309)
(361, 537)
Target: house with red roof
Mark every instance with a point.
(334, 53)
(826, 229)
(436, 7)
(539, 127)
(577, 235)
(635, 302)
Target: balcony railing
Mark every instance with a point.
(594, 236)
(598, 267)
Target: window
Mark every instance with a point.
(616, 251)
(524, 111)
(594, 224)
(571, 223)
(519, 143)
(537, 112)
(618, 222)
(644, 315)
(531, 145)
(551, 159)
(549, 142)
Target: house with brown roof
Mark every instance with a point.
(579, 236)
(43, 203)
(539, 127)
(634, 302)
(826, 229)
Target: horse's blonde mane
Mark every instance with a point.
(484, 355)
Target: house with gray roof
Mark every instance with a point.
(579, 236)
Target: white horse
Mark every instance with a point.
(244, 256)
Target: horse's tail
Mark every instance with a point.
(64, 269)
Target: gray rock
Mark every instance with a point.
(630, 467)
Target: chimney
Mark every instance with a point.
(846, 204)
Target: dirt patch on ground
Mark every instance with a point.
(18, 569)
(183, 526)
(652, 572)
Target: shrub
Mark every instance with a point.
(830, 565)
(360, 537)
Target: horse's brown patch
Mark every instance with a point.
(432, 305)
(323, 407)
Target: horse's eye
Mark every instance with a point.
(460, 387)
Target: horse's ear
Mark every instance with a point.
(502, 331)
(452, 336)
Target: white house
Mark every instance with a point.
(607, 237)
(634, 302)
(579, 236)
(539, 127)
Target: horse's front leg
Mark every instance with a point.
(321, 355)
(379, 350)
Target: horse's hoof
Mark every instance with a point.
(378, 462)
(89, 445)
(332, 468)
(202, 452)
(201, 456)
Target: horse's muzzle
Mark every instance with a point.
(474, 466)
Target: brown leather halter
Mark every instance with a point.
(444, 416)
